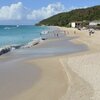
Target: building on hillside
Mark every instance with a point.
(94, 23)
(76, 24)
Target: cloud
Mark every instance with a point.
(73, 8)
(13, 12)
(19, 12)
(46, 12)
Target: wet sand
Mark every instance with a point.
(50, 47)
(52, 85)
(16, 77)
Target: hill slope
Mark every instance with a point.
(62, 19)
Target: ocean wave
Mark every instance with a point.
(11, 27)
(33, 43)
(5, 49)
(7, 28)
(9, 48)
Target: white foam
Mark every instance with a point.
(44, 32)
(33, 42)
(7, 28)
(9, 48)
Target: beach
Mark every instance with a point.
(85, 67)
(63, 68)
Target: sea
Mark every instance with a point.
(19, 34)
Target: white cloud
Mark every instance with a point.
(46, 12)
(73, 8)
(13, 12)
(18, 11)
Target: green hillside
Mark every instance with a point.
(63, 19)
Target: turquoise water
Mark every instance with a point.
(19, 35)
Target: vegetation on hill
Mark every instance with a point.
(63, 19)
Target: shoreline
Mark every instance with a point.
(44, 35)
(14, 44)
(9, 48)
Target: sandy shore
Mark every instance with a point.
(83, 68)
(73, 76)
(28, 74)
(52, 85)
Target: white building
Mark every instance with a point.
(76, 24)
(73, 24)
(94, 23)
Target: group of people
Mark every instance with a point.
(53, 34)
(91, 31)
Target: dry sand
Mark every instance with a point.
(83, 68)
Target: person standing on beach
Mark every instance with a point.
(74, 32)
(64, 33)
(57, 35)
(67, 32)
(89, 33)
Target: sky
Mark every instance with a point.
(33, 11)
